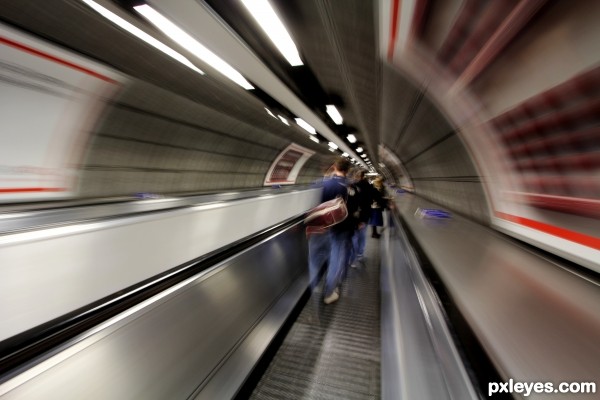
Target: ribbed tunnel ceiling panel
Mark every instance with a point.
(401, 98)
(425, 127)
(439, 161)
(433, 154)
(187, 146)
(356, 38)
(341, 49)
(164, 107)
(258, 127)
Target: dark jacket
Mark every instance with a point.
(365, 196)
(379, 204)
(379, 198)
(339, 186)
(333, 187)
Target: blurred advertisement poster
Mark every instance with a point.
(49, 101)
(287, 165)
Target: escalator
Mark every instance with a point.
(332, 351)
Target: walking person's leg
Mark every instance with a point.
(318, 253)
(338, 259)
(361, 240)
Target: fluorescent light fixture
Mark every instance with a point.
(283, 120)
(314, 139)
(363, 155)
(345, 154)
(331, 149)
(192, 45)
(359, 149)
(268, 20)
(270, 113)
(351, 138)
(140, 34)
(306, 126)
(335, 115)
(333, 145)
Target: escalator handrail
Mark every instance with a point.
(21, 221)
(21, 349)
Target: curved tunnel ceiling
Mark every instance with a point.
(437, 93)
(349, 80)
(170, 129)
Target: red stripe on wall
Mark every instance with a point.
(393, 28)
(57, 60)
(586, 240)
(29, 190)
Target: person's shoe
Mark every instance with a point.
(333, 297)
(354, 264)
(360, 262)
(376, 236)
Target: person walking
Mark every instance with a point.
(365, 198)
(318, 240)
(378, 204)
(340, 235)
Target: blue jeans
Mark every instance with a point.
(318, 253)
(359, 239)
(341, 244)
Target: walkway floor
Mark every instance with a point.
(332, 351)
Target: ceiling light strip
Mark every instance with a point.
(307, 127)
(140, 34)
(270, 22)
(335, 115)
(270, 113)
(200, 20)
(192, 45)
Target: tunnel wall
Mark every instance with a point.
(170, 130)
(518, 82)
(152, 140)
(428, 146)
